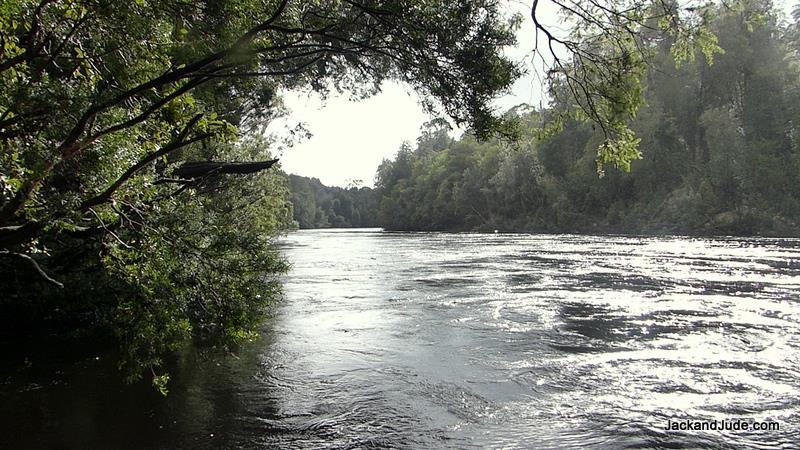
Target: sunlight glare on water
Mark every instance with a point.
(437, 340)
(498, 340)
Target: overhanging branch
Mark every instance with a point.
(179, 142)
(35, 265)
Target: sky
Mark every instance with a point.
(349, 139)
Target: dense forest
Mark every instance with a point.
(719, 142)
(319, 206)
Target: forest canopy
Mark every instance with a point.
(719, 150)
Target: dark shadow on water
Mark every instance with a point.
(62, 398)
(588, 328)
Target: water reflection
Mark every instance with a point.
(420, 340)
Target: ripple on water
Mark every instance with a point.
(436, 340)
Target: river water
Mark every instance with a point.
(436, 340)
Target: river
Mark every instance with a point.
(437, 340)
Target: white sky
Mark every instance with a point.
(350, 139)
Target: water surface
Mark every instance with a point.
(419, 340)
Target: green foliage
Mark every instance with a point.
(619, 152)
(597, 72)
(318, 206)
(693, 37)
(719, 149)
(160, 382)
(102, 101)
(203, 266)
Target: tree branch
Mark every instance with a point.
(34, 264)
(178, 142)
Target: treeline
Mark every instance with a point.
(720, 145)
(320, 206)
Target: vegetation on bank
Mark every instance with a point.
(318, 206)
(124, 127)
(720, 152)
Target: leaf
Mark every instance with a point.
(160, 382)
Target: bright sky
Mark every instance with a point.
(350, 139)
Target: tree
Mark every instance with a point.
(104, 104)
(599, 67)
(719, 148)
(190, 58)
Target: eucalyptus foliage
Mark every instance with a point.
(713, 149)
(598, 68)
